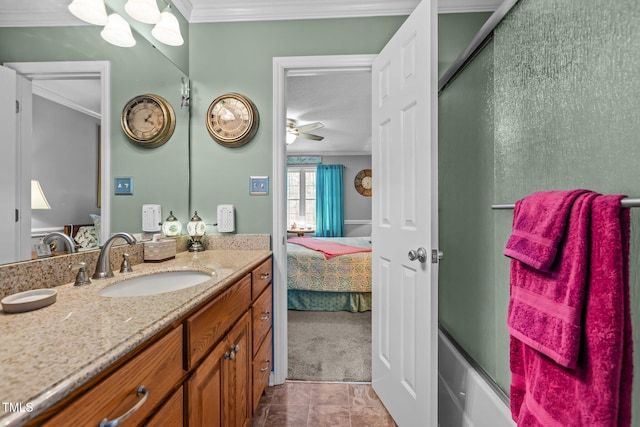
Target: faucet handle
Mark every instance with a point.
(81, 278)
(126, 265)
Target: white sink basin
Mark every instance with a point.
(153, 284)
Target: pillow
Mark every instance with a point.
(86, 238)
(97, 223)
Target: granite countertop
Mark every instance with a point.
(47, 353)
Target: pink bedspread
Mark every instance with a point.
(328, 249)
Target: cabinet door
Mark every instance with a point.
(204, 390)
(218, 391)
(236, 381)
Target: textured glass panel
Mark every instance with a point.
(469, 308)
(567, 95)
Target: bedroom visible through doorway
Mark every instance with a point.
(328, 298)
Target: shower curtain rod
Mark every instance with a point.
(625, 203)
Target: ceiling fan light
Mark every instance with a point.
(167, 30)
(118, 32)
(290, 138)
(91, 11)
(145, 11)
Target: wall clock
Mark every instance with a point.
(232, 120)
(363, 182)
(148, 120)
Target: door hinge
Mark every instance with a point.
(436, 256)
(17, 106)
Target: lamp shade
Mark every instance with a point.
(118, 32)
(196, 229)
(167, 30)
(145, 11)
(38, 200)
(91, 11)
(171, 226)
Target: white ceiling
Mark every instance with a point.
(342, 102)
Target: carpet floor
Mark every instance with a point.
(329, 346)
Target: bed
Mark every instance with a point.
(340, 283)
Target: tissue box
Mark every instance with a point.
(160, 251)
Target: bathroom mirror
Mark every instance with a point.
(159, 175)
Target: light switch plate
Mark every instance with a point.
(123, 185)
(259, 185)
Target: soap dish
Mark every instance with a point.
(28, 300)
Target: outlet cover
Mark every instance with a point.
(123, 185)
(259, 185)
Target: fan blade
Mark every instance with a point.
(309, 127)
(311, 136)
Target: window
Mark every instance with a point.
(301, 196)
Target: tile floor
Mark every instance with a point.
(313, 404)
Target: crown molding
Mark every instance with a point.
(285, 10)
(201, 11)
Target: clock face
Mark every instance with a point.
(363, 182)
(148, 120)
(232, 120)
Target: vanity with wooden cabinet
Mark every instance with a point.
(209, 367)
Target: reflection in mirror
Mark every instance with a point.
(160, 175)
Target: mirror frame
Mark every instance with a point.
(78, 69)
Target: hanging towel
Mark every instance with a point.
(546, 305)
(597, 392)
(539, 222)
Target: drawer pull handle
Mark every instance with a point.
(266, 367)
(265, 276)
(265, 316)
(142, 390)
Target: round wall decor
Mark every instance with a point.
(148, 120)
(362, 182)
(232, 120)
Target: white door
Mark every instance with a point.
(9, 227)
(404, 157)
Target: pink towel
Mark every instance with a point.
(329, 249)
(597, 392)
(546, 306)
(538, 226)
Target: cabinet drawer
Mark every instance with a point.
(261, 369)
(158, 369)
(261, 315)
(260, 278)
(206, 327)
(171, 413)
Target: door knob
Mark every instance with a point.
(420, 254)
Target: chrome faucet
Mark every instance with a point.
(103, 266)
(68, 241)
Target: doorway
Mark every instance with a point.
(284, 67)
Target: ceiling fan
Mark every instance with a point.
(294, 131)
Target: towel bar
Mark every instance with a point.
(625, 203)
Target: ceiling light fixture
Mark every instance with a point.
(118, 32)
(91, 11)
(167, 30)
(145, 11)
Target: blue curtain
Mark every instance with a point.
(329, 201)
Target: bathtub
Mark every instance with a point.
(465, 397)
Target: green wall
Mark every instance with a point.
(238, 57)
(558, 89)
